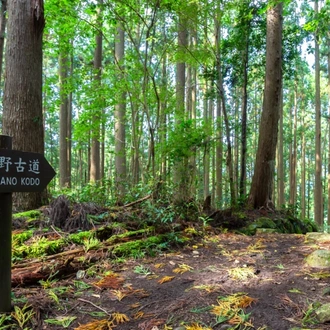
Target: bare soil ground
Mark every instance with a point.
(215, 281)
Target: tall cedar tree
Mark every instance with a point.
(22, 101)
(261, 187)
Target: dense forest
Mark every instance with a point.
(182, 100)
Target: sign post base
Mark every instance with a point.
(5, 240)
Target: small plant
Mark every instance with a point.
(81, 285)
(280, 266)
(4, 319)
(309, 315)
(22, 315)
(54, 296)
(205, 220)
(63, 321)
(92, 244)
(49, 283)
(142, 270)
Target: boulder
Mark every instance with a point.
(319, 259)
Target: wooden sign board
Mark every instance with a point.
(24, 171)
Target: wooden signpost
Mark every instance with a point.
(19, 172)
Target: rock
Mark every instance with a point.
(319, 259)
(323, 313)
(317, 237)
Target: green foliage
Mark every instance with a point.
(99, 193)
(142, 270)
(22, 315)
(63, 321)
(39, 246)
(4, 319)
(31, 215)
(91, 244)
(186, 139)
(79, 238)
(147, 246)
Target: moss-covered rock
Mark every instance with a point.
(316, 237)
(323, 313)
(319, 259)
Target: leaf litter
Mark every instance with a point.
(220, 278)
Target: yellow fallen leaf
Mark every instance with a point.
(166, 279)
(119, 318)
(160, 265)
(96, 325)
(138, 315)
(119, 294)
(182, 269)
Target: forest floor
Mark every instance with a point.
(215, 280)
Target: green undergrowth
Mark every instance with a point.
(29, 216)
(132, 243)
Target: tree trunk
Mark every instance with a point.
(22, 102)
(64, 113)
(261, 187)
(180, 173)
(219, 152)
(120, 114)
(293, 156)
(280, 162)
(328, 42)
(303, 168)
(242, 180)
(3, 23)
(95, 170)
(318, 198)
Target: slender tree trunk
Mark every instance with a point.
(328, 42)
(95, 170)
(180, 174)
(280, 162)
(22, 102)
(303, 169)
(242, 180)
(219, 152)
(293, 156)
(206, 155)
(3, 23)
(64, 113)
(120, 118)
(261, 187)
(318, 198)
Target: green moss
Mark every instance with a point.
(40, 246)
(147, 246)
(119, 237)
(31, 215)
(20, 238)
(79, 238)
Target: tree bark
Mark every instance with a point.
(180, 173)
(95, 170)
(318, 198)
(22, 102)
(120, 119)
(64, 113)
(3, 23)
(261, 187)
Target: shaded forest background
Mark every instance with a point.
(165, 97)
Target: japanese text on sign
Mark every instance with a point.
(21, 166)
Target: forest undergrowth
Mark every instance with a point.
(147, 266)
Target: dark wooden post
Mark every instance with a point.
(5, 239)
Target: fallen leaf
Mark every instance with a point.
(166, 279)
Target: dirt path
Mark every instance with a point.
(224, 281)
